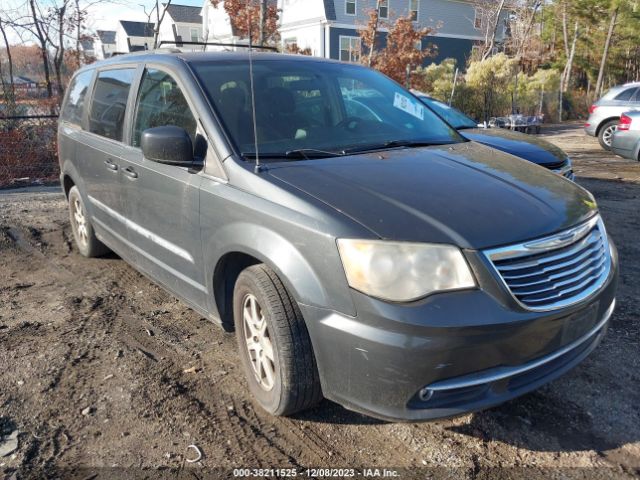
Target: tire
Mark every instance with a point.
(83, 233)
(606, 132)
(278, 326)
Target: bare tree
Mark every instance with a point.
(40, 31)
(58, 17)
(566, 74)
(8, 91)
(605, 53)
(487, 19)
(160, 11)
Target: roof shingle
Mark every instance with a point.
(107, 36)
(137, 29)
(184, 13)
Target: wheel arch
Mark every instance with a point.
(239, 246)
(70, 178)
(604, 122)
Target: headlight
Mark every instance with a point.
(401, 272)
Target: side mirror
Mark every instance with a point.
(169, 145)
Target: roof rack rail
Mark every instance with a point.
(215, 44)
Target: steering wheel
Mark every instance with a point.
(350, 123)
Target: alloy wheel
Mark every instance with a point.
(607, 135)
(258, 342)
(80, 220)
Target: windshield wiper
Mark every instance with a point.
(313, 153)
(395, 144)
(300, 153)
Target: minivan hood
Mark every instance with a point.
(466, 194)
(519, 144)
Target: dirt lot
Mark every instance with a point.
(104, 375)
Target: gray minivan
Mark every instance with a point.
(386, 264)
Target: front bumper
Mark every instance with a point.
(465, 351)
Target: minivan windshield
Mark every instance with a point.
(310, 109)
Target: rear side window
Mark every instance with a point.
(626, 95)
(161, 103)
(110, 102)
(74, 107)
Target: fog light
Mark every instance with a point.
(425, 394)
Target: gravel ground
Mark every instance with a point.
(104, 375)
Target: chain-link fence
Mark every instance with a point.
(28, 151)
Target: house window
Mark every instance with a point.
(413, 9)
(383, 8)
(477, 21)
(350, 7)
(349, 49)
(195, 35)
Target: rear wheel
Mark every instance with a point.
(83, 232)
(606, 134)
(275, 348)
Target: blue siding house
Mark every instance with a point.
(329, 28)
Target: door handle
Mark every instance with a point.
(110, 165)
(130, 172)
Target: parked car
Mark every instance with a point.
(626, 139)
(387, 264)
(521, 145)
(519, 123)
(604, 115)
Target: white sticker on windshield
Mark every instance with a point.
(412, 107)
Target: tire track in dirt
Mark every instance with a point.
(239, 421)
(185, 345)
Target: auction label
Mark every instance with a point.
(315, 473)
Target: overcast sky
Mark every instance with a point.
(104, 15)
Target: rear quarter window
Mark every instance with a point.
(74, 106)
(109, 103)
(626, 94)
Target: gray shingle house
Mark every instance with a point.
(105, 44)
(330, 27)
(181, 23)
(134, 36)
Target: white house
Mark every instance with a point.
(134, 36)
(105, 44)
(88, 46)
(181, 23)
(217, 25)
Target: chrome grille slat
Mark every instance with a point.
(593, 272)
(562, 293)
(532, 264)
(556, 271)
(599, 261)
(555, 267)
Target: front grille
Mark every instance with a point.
(555, 271)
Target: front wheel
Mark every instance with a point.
(83, 233)
(606, 134)
(275, 348)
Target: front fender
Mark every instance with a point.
(293, 263)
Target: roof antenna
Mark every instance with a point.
(257, 167)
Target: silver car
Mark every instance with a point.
(605, 113)
(626, 139)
